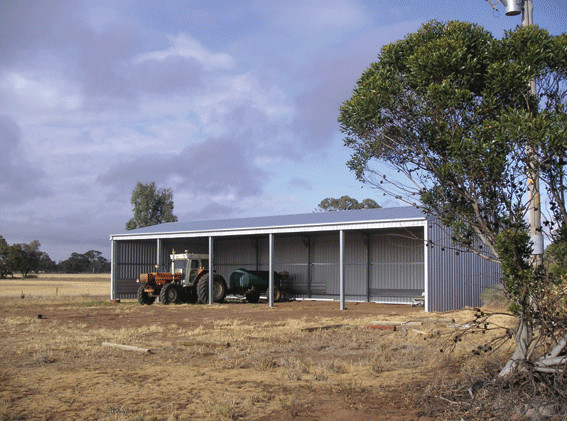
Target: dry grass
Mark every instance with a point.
(220, 367)
(56, 285)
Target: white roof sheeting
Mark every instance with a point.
(308, 222)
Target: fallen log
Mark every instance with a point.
(327, 327)
(395, 323)
(383, 327)
(126, 347)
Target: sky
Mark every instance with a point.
(231, 104)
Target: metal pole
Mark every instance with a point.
(211, 275)
(534, 204)
(113, 269)
(271, 270)
(159, 261)
(426, 266)
(528, 13)
(342, 268)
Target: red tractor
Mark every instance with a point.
(187, 282)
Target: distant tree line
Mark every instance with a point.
(331, 204)
(28, 258)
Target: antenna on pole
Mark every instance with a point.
(494, 5)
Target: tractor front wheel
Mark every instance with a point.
(143, 297)
(169, 294)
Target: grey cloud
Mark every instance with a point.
(333, 78)
(173, 75)
(57, 38)
(34, 25)
(215, 166)
(298, 182)
(104, 63)
(20, 181)
(211, 210)
(60, 236)
(318, 108)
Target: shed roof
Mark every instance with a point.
(281, 223)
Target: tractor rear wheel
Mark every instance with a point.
(252, 296)
(169, 294)
(219, 289)
(143, 297)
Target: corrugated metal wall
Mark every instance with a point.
(397, 270)
(456, 278)
(291, 254)
(383, 266)
(133, 258)
(233, 253)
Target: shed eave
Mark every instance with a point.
(278, 229)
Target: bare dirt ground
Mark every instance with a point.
(299, 360)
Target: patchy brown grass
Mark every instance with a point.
(300, 360)
(56, 285)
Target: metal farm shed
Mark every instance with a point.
(388, 255)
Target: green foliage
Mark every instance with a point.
(556, 257)
(27, 258)
(5, 269)
(331, 204)
(521, 280)
(449, 108)
(46, 264)
(24, 258)
(90, 262)
(151, 206)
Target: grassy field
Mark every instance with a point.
(56, 285)
(299, 360)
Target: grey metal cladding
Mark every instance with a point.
(315, 218)
(456, 278)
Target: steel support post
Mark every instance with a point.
(342, 268)
(113, 270)
(271, 270)
(159, 253)
(426, 266)
(211, 274)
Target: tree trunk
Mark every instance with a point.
(524, 336)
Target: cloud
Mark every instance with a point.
(20, 181)
(103, 64)
(211, 210)
(299, 182)
(187, 47)
(212, 168)
(332, 76)
(75, 231)
(35, 26)
(171, 76)
(321, 15)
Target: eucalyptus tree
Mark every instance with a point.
(445, 120)
(331, 204)
(151, 206)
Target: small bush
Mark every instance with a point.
(494, 297)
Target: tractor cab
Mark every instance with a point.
(189, 265)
